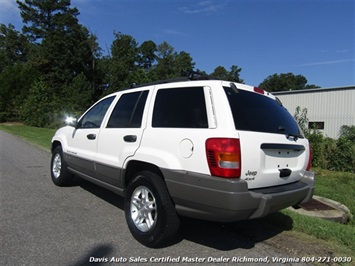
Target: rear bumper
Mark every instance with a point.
(226, 200)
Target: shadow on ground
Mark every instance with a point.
(98, 255)
(220, 236)
(229, 236)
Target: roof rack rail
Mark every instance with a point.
(196, 75)
(190, 75)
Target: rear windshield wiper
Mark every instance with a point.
(288, 135)
(295, 136)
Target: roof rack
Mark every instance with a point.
(190, 75)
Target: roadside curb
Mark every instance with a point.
(324, 208)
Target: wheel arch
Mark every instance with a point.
(55, 144)
(133, 167)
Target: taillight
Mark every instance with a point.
(310, 158)
(224, 157)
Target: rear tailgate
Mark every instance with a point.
(272, 159)
(273, 149)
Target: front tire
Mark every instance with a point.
(150, 213)
(59, 169)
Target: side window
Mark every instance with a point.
(93, 118)
(180, 107)
(128, 111)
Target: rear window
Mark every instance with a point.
(255, 112)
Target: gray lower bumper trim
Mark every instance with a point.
(226, 200)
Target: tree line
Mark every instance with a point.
(55, 66)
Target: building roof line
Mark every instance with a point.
(351, 87)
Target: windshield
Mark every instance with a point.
(255, 112)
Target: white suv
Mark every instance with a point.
(207, 149)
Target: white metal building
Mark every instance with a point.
(328, 108)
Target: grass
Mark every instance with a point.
(38, 136)
(338, 186)
(339, 234)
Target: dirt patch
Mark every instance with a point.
(326, 209)
(300, 245)
(314, 205)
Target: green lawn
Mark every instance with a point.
(338, 186)
(38, 136)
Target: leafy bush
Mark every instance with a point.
(343, 158)
(328, 153)
(323, 149)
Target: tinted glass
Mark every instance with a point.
(180, 107)
(128, 111)
(255, 112)
(93, 118)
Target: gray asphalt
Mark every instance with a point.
(42, 224)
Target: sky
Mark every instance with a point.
(313, 38)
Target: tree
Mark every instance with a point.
(46, 17)
(123, 62)
(146, 55)
(183, 63)
(79, 95)
(15, 83)
(15, 73)
(40, 107)
(284, 82)
(220, 73)
(301, 117)
(93, 72)
(13, 46)
(233, 75)
(165, 58)
(63, 46)
(63, 52)
(170, 63)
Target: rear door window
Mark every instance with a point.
(128, 111)
(255, 112)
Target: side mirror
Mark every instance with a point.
(71, 121)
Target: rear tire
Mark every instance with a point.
(150, 213)
(60, 174)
